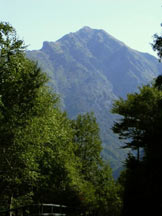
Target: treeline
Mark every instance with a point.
(44, 156)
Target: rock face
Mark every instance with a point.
(90, 69)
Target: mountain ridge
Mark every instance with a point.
(90, 69)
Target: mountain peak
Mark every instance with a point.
(86, 29)
(90, 68)
(89, 30)
(98, 34)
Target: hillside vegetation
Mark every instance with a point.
(90, 69)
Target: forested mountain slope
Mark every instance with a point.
(90, 69)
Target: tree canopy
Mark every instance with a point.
(140, 126)
(44, 156)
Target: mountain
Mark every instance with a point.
(90, 69)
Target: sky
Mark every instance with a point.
(134, 22)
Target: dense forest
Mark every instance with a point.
(45, 157)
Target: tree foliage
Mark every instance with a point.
(44, 156)
(157, 45)
(21, 84)
(140, 126)
(87, 143)
(103, 191)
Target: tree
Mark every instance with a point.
(157, 45)
(107, 195)
(59, 178)
(141, 127)
(24, 99)
(100, 192)
(87, 143)
(140, 110)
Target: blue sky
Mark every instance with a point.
(132, 21)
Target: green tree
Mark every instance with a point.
(140, 126)
(87, 143)
(108, 201)
(157, 45)
(59, 178)
(100, 194)
(24, 99)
